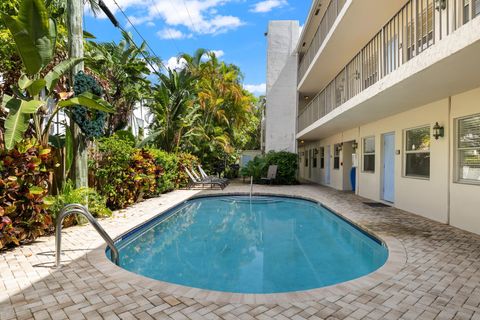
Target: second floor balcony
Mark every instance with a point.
(419, 25)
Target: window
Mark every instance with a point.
(336, 156)
(369, 154)
(468, 149)
(315, 152)
(466, 11)
(417, 152)
(322, 157)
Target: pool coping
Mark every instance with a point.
(395, 262)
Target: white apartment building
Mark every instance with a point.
(391, 88)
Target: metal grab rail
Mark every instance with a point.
(80, 209)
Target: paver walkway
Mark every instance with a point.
(440, 280)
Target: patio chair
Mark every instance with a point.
(195, 182)
(206, 176)
(271, 174)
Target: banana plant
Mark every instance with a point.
(37, 99)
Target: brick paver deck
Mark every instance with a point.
(439, 279)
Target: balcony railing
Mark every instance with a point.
(324, 28)
(413, 29)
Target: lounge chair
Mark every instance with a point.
(195, 182)
(271, 174)
(210, 179)
(206, 176)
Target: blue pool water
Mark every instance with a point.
(267, 245)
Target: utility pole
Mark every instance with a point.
(75, 46)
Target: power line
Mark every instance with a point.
(190, 17)
(116, 24)
(167, 28)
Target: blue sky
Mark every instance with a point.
(234, 29)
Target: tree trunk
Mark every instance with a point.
(75, 42)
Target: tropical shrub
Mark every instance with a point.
(24, 181)
(185, 160)
(122, 173)
(256, 168)
(287, 163)
(96, 204)
(144, 172)
(169, 162)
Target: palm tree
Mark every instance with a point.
(175, 117)
(123, 72)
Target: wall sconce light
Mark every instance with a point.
(438, 131)
(340, 147)
(354, 144)
(315, 151)
(440, 4)
(302, 142)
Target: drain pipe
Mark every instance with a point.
(450, 137)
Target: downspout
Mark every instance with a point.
(450, 154)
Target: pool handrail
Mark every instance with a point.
(81, 209)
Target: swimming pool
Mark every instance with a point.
(242, 245)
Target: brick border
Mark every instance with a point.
(396, 260)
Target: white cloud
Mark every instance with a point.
(171, 33)
(196, 16)
(218, 53)
(268, 5)
(256, 88)
(176, 64)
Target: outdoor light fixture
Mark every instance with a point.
(354, 144)
(340, 147)
(440, 4)
(438, 131)
(315, 151)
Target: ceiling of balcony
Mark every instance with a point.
(361, 21)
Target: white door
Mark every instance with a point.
(388, 174)
(327, 165)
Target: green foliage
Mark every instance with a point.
(169, 162)
(35, 36)
(24, 176)
(92, 123)
(204, 110)
(124, 71)
(256, 168)
(124, 174)
(287, 163)
(126, 136)
(95, 203)
(172, 109)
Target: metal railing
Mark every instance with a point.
(80, 209)
(324, 28)
(416, 27)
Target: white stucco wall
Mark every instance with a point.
(280, 122)
(464, 198)
(439, 197)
